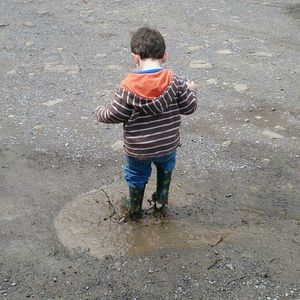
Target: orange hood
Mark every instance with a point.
(149, 86)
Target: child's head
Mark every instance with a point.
(148, 43)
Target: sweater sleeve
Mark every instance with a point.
(187, 99)
(116, 112)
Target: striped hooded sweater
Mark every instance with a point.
(149, 105)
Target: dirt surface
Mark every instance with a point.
(238, 170)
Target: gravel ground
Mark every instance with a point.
(239, 162)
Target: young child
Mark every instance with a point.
(149, 103)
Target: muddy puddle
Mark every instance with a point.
(86, 223)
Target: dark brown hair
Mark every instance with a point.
(148, 43)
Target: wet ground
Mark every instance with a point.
(233, 227)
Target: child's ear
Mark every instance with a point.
(165, 58)
(136, 59)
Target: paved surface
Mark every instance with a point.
(239, 159)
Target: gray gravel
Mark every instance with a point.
(61, 59)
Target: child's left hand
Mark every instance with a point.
(192, 85)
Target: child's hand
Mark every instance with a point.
(192, 85)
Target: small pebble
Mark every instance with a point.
(29, 44)
(212, 81)
(226, 143)
(240, 87)
(200, 64)
(11, 72)
(28, 24)
(225, 51)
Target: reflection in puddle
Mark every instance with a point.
(84, 223)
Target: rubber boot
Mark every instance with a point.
(134, 203)
(161, 195)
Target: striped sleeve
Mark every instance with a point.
(116, 112)
(187, 100)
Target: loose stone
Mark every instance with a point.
(194, 48)
(225, 51)
(266, 161)
(100, 55)
(230, 266)
(278, 127)
(113, 67)
(118, 145)
(211, 81)
(239, 87)
(272, 135)
(262, 53)
(51, 103)
(11, 72)
(29, 44)
(200, 64)
(60, 68)
(28, 24)
(226, 143)
(43, 13)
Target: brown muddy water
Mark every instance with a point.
(86, 223)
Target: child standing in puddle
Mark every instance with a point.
(149, 103)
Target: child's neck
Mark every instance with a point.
(148, 64)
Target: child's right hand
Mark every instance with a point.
(192, 85)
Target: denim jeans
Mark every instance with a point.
(138, 171)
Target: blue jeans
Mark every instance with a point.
(138, 171)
